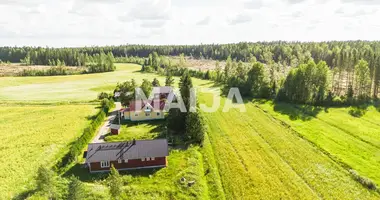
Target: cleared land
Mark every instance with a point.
(35, 135)
(68, 88)
(352, 141)
(14, 69)
(259, 158)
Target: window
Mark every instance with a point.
(104, 164)
(142, 159)
(148, 159)
(119, 161)
(158, 114)
(147, 114)
(126, 160)
(152, 158)
(136, 114)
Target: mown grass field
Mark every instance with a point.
(258, 158)
(352, 141)
(32, 136)
(68, 88)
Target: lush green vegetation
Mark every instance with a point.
(351, 141)
(138, 131)
(255, 154)
(34, 135)
(75, 88)
(271, 151)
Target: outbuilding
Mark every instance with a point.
(115, 129)
(136, 154)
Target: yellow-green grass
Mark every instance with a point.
(35, 135)
(138, 130)
(347, 139)
(258, 158)
(164, 183)
(68, 88)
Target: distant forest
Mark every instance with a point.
(319, 71)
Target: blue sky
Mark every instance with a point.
(114, 22)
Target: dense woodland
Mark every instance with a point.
(353, 67)
(309, 82)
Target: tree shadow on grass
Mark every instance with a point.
(296, 112)
(358, 111)
(24, 195)
(83, 174)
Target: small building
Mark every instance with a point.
(144, 111)
(115, 129)
(136, 154)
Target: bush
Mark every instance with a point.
(89, 132)
(103, 95)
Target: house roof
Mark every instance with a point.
(97, 152)
(139, 105)
(125, 110)
(163, 89)
(115, 126)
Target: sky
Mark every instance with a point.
(74, 23)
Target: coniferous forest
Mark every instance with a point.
(317, 73)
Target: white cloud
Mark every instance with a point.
(240, 19)
(204, 21)
(115, 22)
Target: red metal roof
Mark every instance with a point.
(139, 105)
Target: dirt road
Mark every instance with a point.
(99, 138)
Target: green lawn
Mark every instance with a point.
(35, 135)
(138, 131)
(352, 141)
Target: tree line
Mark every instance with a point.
(311, 82)
(92, 64)
(289, 53)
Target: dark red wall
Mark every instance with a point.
(131, 164)
(114, 131)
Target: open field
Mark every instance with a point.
(68, 88)
(352, 141)
(35, 135)
(259, 158)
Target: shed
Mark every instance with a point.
(115, 129)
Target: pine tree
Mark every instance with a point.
(146, 87)
(195, 127)
(46, 182)
(115, 183)
(155, 82)
(76, 189)
(169, 79)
